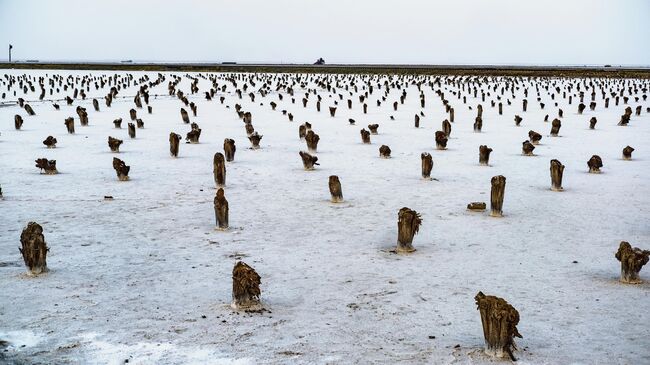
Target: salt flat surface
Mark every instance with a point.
(146, 277)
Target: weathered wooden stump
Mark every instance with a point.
(47, 166)
(384, 151)
(50, 142)
(477, 206)
(219, 169)
(335, 189)
(417, 121)
(308, 161)
(83, 116)
(229, 149)
(131, 128)
(527, 148)
(592, 123)
(249, 129)
(555, 127)
(632, 260)
(595, 163)
(478, 124)
(29, 110)
(221, 210)
(534, 137)
(441, 140)
(518, 120)
(373, 128)
(496, 195)
(96, 105)
(302, 131)
(193, 135)
(446, 127)
(174, 140)
(255, 139)
(139, 123)
(245, 288)
(557, 169)
(408, 224)
(184, 116)
(118, 123)
(121, 169)
(34, 249)
(351, 121)
(365, 136)
(332, 111)
(114, 144)
(499, 321)
(312, 141)
(427, 165)
(18, 122)
(69, 125)
(581, 108)
(627, 153)
(484, 155)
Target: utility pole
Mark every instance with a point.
(10, 47)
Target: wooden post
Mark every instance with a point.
(497, 195)
(114, 144)
(441, 140)
(373, 128)
(627, 153)
(18, 122)
(121, 169)
(534, 137)
(219, 169)
(308, 161)
(417, 121)
(384, 151)
(484, 155)
(312, 141)
(117, 123)
(408, 224)
(592, 123)
(173, 143)
(335, 189)
(499, 321)
(595, 163)
(185, 116)
(34, 249)
(332, 111)
(47, 166)
(131, 128)
(632, 260)
(555, 127)
(245, 288)
(50, 142)
(255, 139)
(365, 136)
(557, 169)
(30, 111)
(221, 210)
(193, 135)
(427, 165)
(229, 149)
(446, 127)
(96, 105)
(518, 120)
(83, 116)
(478, 124)
(527, 148)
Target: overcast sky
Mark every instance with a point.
(544, 32)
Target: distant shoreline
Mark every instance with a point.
(487, 70)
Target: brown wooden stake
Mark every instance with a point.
(527, 148)
(335, 189)
(373, 128)
(245, 288)
(50, 142)
(595, 163)
(174, 140)
(308, 161)
(384, 151)
(627, 153)
(121, 169)
(47, 166)
(18, 122)
(484, 155)
(219, 169)
(365, 136)
(114, 144)
(255, 139)
(34, 249)
(229, 149)
(632, 260)
(427, 165)
(441, 140)
(557, 169)
(312, 141)
(555, 127)
(221, 210)
(496, 196)
(408, 224)
(499, 321)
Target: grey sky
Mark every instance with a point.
(545, 32)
